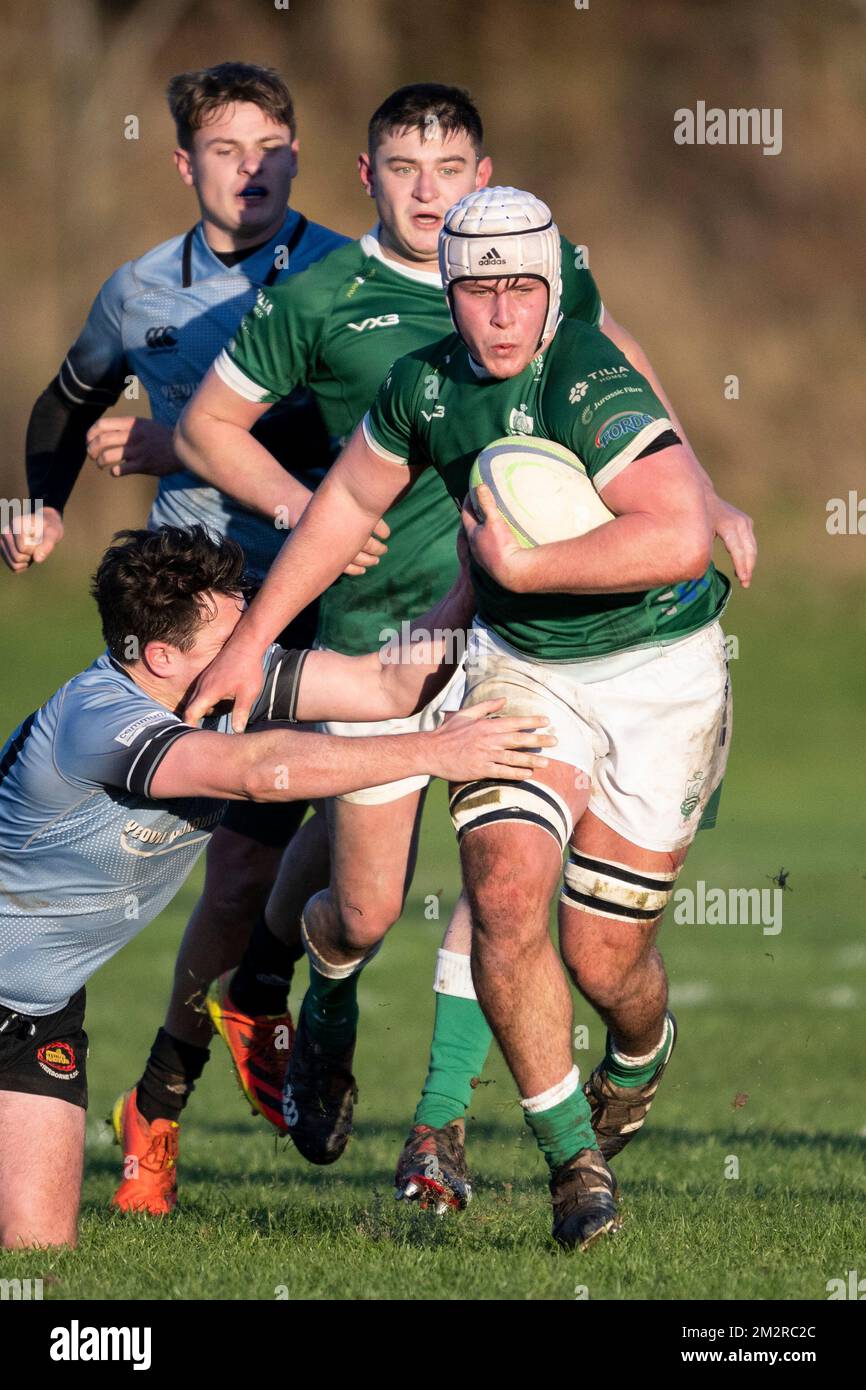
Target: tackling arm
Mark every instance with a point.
(287, 765)
(402, 677)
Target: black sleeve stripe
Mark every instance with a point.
(279, 698)
(151, 754)
(661, 441)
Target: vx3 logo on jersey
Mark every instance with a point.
(161, 339)
(381, 321)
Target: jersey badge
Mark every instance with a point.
(519, 422)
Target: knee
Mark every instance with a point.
(508, 905)
(363, 919)
(602, 975)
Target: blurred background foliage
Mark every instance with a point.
(720, 259)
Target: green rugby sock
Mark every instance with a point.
(330, 1010)
(565, 1127)
(626, 1072)
(461, 1042)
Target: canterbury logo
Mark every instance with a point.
(383, 321)
(492, 258)
(164, 337)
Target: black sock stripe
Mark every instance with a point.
(599, 866)
(509, 813)
(472, 787)
(593, 904)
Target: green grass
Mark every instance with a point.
(776, 1019)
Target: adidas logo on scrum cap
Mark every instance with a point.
(492, 257)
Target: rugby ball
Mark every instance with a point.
(541, 489)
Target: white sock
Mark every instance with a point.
(533, 1105)
(453, 975)
(625, 1061)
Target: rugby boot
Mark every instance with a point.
(584, 1203)
(618, 1112)
(260, 1048)
(149, 1159)
(431, 1170)
(319, 1097)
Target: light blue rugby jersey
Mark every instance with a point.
(87, 857)
(163, 318)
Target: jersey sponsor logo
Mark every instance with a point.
(128, 735)
(435, 414)
(492, 257)
(161, 339)
(174, 391)
(577, 392)
(605, 373)
(147, 840)
(595, 406)
(380, 321)
(618, 426)
(262, 306)
(519, 422)
(58, 1059)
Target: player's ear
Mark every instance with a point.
(294, 146)
(484, 172)
(365, 169)
(183, 164)
(158, 657)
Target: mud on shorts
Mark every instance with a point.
(45, 1054)
(651, 727)
(450, 698)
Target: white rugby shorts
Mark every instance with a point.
(650, 727)
(450, 698)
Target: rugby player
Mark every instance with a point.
(107, 798)
(160, 320)
(337, 328)
(605, 605)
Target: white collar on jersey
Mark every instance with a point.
(371, 246)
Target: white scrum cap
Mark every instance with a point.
(495, 232)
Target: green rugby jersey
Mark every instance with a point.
(337, 328)
(439, 408)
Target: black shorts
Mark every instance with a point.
(264, 822)
(45, 1055)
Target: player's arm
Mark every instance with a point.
(733, 527)
(288, 765)
(660, 535)
(358, 488)
(213, 440)
(400, 678)
(66, 418)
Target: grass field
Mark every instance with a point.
(769, 1068)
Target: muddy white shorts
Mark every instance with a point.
(450, 698)
(650, 727)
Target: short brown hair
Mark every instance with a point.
(150, 585)
(413, 108)
(196, 98)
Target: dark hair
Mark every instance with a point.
(413, 107)
(196, 98)
(150, 585)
